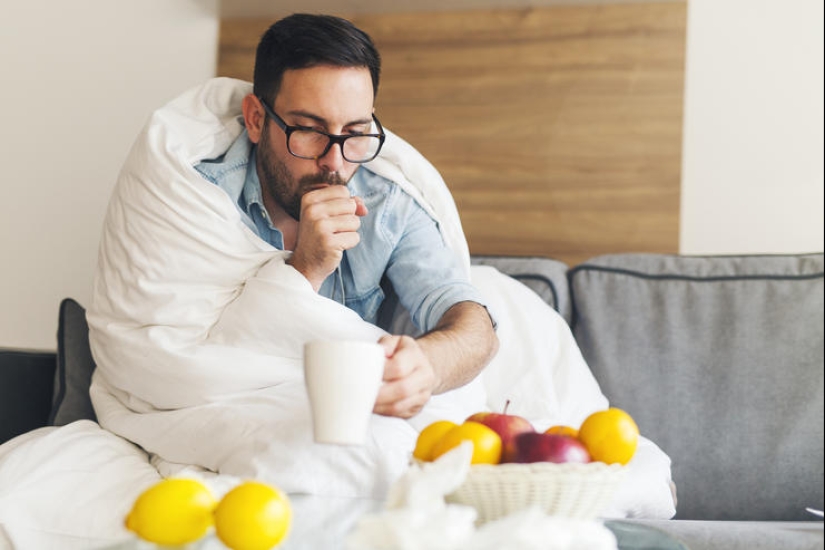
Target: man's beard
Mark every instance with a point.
(281, 184)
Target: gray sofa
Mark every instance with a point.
(719, 359)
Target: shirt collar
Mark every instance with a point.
(252, 193)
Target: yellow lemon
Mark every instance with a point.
(172, 512)
(428, 438)
(486, 442)
(253, 516)
(611, 436)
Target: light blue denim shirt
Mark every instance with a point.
(398, 239)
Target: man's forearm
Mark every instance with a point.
(460, 346)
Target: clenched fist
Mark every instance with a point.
(329, 224)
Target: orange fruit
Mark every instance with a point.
(429, 436)
(486, 442)
(562, 430)
(611, 436)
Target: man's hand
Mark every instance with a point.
(329, 225)
(448, 357)
(409, 378)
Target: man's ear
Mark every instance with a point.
(253, 117)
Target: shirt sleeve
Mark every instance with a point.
(425, 273)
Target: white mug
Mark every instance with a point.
(342, 378)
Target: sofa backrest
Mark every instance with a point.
(720, 361)
(545, 276)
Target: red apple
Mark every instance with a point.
(507, 426)
(544, 447)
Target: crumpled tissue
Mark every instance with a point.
(416, 517)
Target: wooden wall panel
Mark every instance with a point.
(557, 129)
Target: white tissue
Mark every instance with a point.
(424, 485)
(532, 529)
(416, 517)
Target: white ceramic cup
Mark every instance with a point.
(342, 379)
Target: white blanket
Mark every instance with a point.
(197, 328)
(197, 325)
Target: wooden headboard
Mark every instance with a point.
(557, 129)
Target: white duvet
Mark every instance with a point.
(197, 328)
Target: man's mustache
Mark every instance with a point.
(327, 178)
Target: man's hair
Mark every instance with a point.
(301, 41)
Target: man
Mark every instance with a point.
(298, 176)
(250, 219)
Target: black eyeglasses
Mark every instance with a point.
(307, 143)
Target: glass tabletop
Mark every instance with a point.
(325, 522)
(634, 536)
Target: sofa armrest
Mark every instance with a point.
(26, 382)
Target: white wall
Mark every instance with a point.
(78, 80)
(752, 166)
(267, 8)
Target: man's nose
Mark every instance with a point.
(334, 160)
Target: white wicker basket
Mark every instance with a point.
(569, 490)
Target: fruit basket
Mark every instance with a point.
(580, 491)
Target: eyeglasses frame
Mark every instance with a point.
(331, 138)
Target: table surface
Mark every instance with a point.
(324, 522)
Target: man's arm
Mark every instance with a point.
(449, 356)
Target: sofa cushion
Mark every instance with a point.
(25, 390)
(71, 400)
(720, 361)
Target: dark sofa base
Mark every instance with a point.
(25, 391)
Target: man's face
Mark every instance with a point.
(331, 99)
